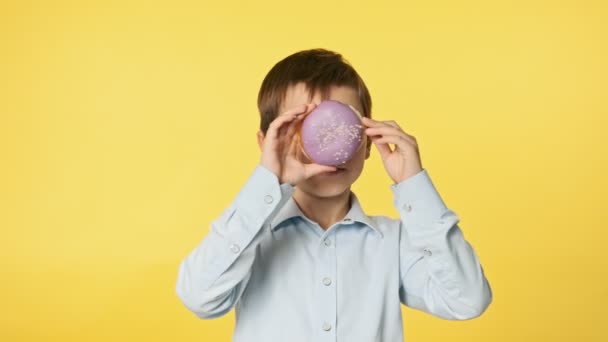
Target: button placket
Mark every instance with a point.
(326, 288)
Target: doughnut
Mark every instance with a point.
(331, 133)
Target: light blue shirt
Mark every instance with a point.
(290, 280)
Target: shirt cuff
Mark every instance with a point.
(261, 196)
(417, 200)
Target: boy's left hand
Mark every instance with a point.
(401, 162)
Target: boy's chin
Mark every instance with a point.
(325, 189)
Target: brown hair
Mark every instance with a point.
(319, 69)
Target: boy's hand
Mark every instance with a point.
(280, 148)
(404, 160)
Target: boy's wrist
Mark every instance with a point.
(417, 199)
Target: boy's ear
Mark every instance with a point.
(260, 139)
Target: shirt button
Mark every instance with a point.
(427, 252)
(326, 326)
(326, 281)
(235, 248)
(268, 199)
(327, 242)
(407, 207)
(348, 219)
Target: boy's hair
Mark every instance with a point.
(319, 69)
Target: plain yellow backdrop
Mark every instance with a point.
(127, 126)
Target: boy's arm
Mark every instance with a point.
(212, 278)
(439, 270)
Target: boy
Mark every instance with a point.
(296, 255)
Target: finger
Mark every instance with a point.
(311, 170)
(282, 140)
(389, 130)
(273, 129)
(399, 142)
(371, 122)
(387, 123)
(293, 141)
(301, 110)
(309, 109)
(382, 130)
(383, 148)
(291, 132)
(289, 115)
(392, 123)
(375, 123)
(292, 149)
(297, 109)
(396, 125)
(292, 128)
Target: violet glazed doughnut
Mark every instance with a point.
(331, 133)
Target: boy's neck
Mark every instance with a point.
(323, 210)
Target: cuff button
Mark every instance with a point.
(235, 248)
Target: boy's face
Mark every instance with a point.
(325, 184)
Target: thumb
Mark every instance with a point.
(315, 169)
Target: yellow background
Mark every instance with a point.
(127, 126)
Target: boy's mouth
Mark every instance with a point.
(338, 171)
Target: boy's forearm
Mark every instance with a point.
(212, 277)
(440, 270)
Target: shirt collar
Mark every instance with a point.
(356, 214)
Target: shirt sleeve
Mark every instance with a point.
(440, 272)
(213, 276)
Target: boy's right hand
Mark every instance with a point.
(280, 148)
